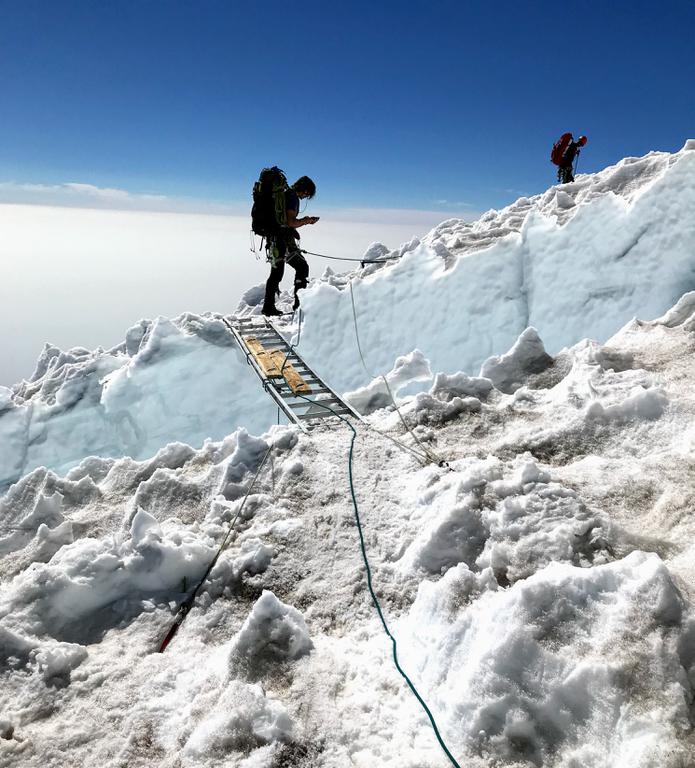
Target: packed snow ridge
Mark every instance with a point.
(578, 261)
(540, 586)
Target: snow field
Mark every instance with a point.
(574, 262)
(609, 692)
(540, 586)
(182, 380)
(533, 632)
(577, 262)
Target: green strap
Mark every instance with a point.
(279, 200)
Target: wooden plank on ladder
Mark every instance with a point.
(263, 357)
(294, 381)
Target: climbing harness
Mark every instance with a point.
(187, 604)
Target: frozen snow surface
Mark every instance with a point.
(540, 584)
(182, 380)
(576, 262)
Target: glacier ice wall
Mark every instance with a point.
(578, 261)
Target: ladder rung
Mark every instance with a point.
(327, 401)
(271, 346)
(311, 403)
(325, 404)
(306, 380)
(297, 406)
(309, 377)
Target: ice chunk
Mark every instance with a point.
(57, 661)
(680, 313)
(144, 529)
(243, 717)
(273, 632)
(406, 370)
(640, 404)
(447, 387)
(527, 356)
(569, 661)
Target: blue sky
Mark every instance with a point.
(385, 104)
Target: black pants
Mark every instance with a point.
(281, 251)
(565, 175)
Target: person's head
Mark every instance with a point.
(581, 141)
(304, 187)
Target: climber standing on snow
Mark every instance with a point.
(274, 217)
(563, 154)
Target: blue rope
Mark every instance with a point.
(375, 599)
(365, 558)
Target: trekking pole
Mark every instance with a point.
(576, 163)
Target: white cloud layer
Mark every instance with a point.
(80, 195)
(80, 263)
(81, 275)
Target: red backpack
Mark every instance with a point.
(559, 148)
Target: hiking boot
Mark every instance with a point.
(271, 312)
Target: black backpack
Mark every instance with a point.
(268, 214)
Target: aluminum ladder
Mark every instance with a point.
(260, 342)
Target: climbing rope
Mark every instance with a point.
(359, 261)
(187, 604)
(296, 343)
(423, 458)
(431, 455)
(370, 584)
(394, 646)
